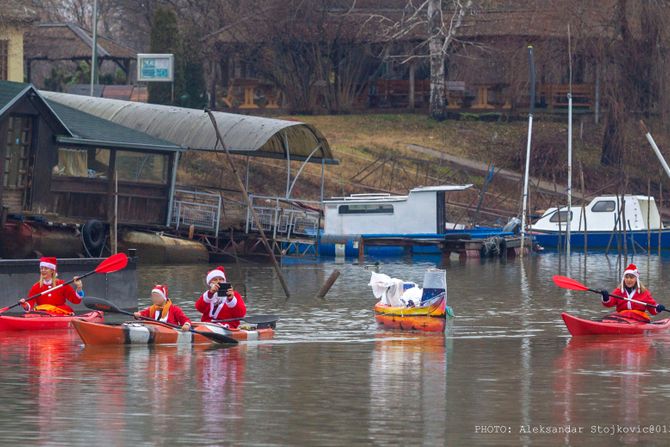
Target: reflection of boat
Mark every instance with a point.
(404, 305)
(603, 221)
(149, 332)
(613, 325)
(37, 321)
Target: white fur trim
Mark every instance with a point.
(48, 265)
(213, 300)
(232, 303)
(215, 274)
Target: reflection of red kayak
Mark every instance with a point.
(40, 321)
(619, 326)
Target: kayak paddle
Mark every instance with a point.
(106, 306)
(256, 319)
(112, 264)
(572, 284)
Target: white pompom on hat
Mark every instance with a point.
(218, 272)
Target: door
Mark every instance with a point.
(18, 162)
(441, 212)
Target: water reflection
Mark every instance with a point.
(408, 386)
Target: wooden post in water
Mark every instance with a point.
(328, 284)
(648, 216)
(219, 139)
(660, 207)
(586, 237)
(361, 251)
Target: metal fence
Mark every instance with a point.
(282, 217)
(197, 208)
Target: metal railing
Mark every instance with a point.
(282, 217)
(197, 208)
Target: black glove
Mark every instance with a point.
(660, 308)
(605, 294)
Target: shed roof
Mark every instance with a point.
(192, 128)
(81, 128)
(73, 43)
(13, 11)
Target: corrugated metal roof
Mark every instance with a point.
(192, 128)
(81, 127)
(90, 129)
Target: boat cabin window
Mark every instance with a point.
(560, 216)
(604, 206)
(142, 167)
(92, 163)
(373, 208)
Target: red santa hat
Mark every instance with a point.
(631, 270)
(218, 272)
(162, 290)
(49, 263)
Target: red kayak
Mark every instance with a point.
(613, 325)
(39, 321)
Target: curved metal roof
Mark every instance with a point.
(192, 128)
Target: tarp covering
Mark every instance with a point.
(192, 128)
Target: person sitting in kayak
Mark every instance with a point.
(53, 302)
(221, 301)
(632, 288)
(162, 309)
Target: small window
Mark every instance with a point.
(604, 206)
(142, 167)
(382, 208)
(560, 216)
(91, 163)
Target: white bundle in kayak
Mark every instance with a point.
(396, 292)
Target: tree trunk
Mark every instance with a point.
(437, 75)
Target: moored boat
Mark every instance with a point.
(150, 332)
(613, 325)
(38, 321)
(405, 306)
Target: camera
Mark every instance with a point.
(223, 288)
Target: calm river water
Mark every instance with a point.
(506, 372)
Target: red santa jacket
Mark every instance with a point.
(623, 305)
(174, 315)
(214, 308)
(55, 298)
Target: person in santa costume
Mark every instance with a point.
(214, 307)
(52, 301)
(631, 287)
(162, 309)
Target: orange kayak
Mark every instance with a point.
(40, 321)
(429, 318)
(149, 332)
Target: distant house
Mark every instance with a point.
(48, 45)
(15, 20)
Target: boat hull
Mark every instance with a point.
(430, 318)
(579, 327)
(603, 239)
(40, 322)
(154, 333)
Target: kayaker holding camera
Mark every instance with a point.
(163, 310)
(220, 301)
(53, 302)
(632, 288)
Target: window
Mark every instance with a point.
(561, 216)
(382, 208)
(604, 206)
(91, 163)
(4, 59)
(142, 167)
